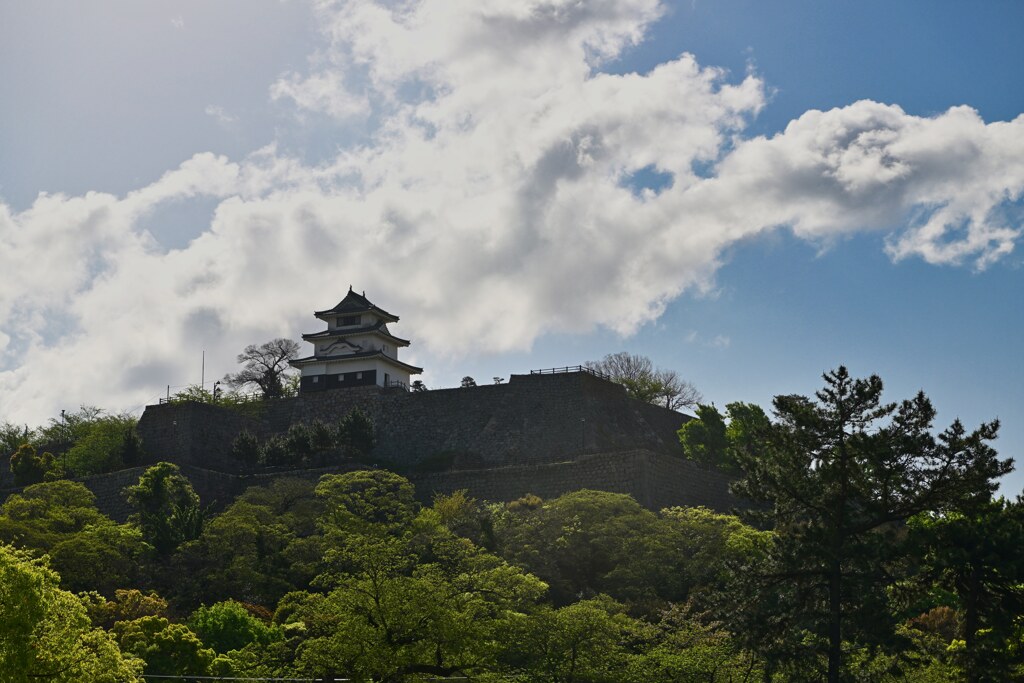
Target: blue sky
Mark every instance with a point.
(215, 173)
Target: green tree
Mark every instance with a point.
(684, 647)
(167, 507)
(356, 434)
(12, 436)
(367, 499)
(274, 453)
(45, 633)
(712, 441)
(28, 467)
(976, 555)
(106, 443)
(299, 442)
(246, 448)
(838, 476)
(263, 546)
(167, 649)
(590, 542)
(228, 625)
(45, 514)
(265, 367)
(466, 517)
(583, 641)
(708, 545)
(87, 548)
(467, 382)
(322, 437)
(102, 557)
(410, 597)
(241, 554)
(65, 431)
(128, 604)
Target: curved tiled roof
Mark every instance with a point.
(340, 334)
(356, 303)
(299, 362)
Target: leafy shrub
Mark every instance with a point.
(322, 437)
(274, 452)
(298, 441)
(245, 448)
(28, 467)
(104, 445)
(356, 434)
(228, 625)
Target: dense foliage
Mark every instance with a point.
(860, 513)
(87, 441)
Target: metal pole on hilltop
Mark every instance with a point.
(64, 442)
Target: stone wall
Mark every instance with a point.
(532, 419)
(540, 434)
(656, 480)
(193, 434)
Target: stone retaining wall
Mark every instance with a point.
(540, 434)
(532, 419)
(656, 481)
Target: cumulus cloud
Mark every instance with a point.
(322, 92)
(491, 204)
(219, 114)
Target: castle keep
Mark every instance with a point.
(356, 349)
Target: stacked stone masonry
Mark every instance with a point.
(539, 434)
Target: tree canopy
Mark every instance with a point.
(45, 632)
(838, 476)
(870, 549)
(265, 367)
(167, 507)
(645, 382)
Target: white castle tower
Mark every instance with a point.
(355, 350)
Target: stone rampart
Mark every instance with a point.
(532, 419)
(540, 434)
(656, 480)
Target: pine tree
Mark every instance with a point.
(838, 477)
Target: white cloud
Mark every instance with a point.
(323, 93)
(220, 114)
(488, 208)
(719, 341)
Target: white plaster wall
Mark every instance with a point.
(366, 364)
